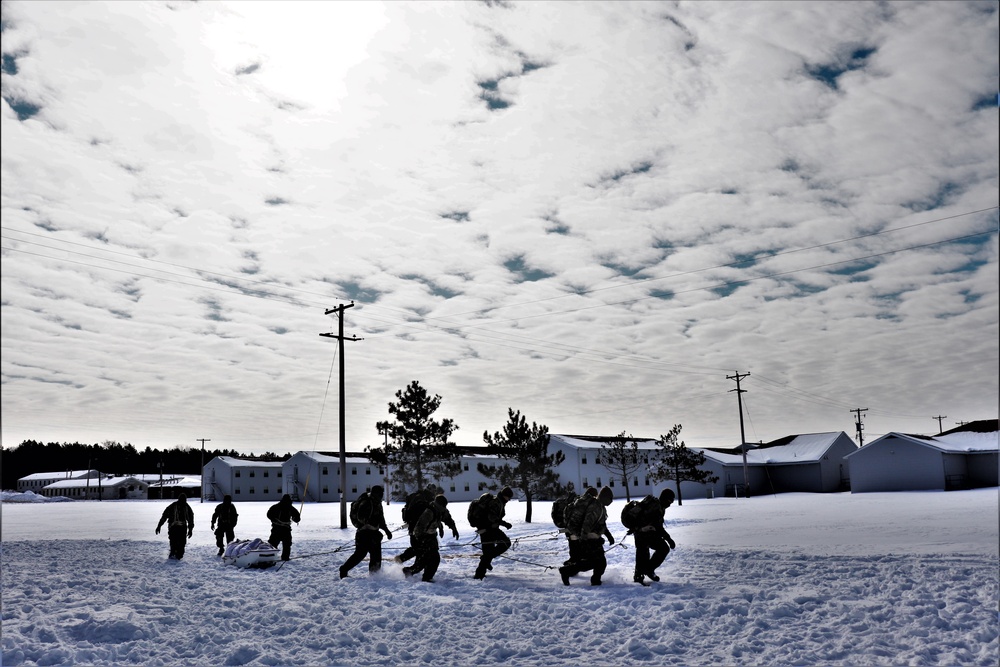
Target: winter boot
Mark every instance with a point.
(564, 573)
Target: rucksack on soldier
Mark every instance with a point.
(631, 515)
(577, 512)
(559, 509)
(355, 519)
(415, 505)
(479, 511)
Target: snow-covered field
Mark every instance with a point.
(794, 579)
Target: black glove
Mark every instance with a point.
(455, 533)
(190, 532)
(611, 538)
(213, 526)
(506, 525)
(388, 535)
(157, 530)
(671, 544)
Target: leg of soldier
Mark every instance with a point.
(409, 552)
(420, 549)
(360, 551)
(641, 555)
(374, 550)
(660, 551)
(218, 539)
(230, 534)
(431, 558)
(600, 563)
(178, 539)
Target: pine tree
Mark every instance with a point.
(418, 446)
(526, 446)
(620, 456)
(680, 464)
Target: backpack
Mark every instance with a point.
(479, 511)
(576, 513)
(631, 515)
(355, 507)
(415, 505)
(559, 509)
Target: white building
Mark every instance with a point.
(584, 468)
(242, 479)
(315, 477)
(812, 462)
(39, 480)
(102, 487)
(901, 462)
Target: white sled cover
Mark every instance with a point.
(250, 553)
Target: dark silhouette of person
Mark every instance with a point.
(226, 517)
(282, 514)
(650, 535)
(181, 525)
(370, 522)
(425, 537)
(494, 540)
(590, 542)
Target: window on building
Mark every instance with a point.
(354, 471)
(598, 482)
(647, 481)
(265, 490)
(354, 489)
(584, 459)
(252, 490)
(266, 473)
(466, 486)
(465, 466)
(585, 483)
(453, 488)
(236, 474)
(236, 491)
(612, 483)
(279, 473)
(252, 473)
(482, 485)
(368, 471)
(326, 471)
(326, 489)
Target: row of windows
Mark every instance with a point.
(354, 471)
(635, 482)
(236, 473)
(597, 459)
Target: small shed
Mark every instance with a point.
(903, 462)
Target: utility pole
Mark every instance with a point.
(343, 434)
(860, 426)
(203, 441)
(743, 437)
(939, 418)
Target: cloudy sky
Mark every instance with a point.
(594, 213)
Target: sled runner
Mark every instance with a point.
(255, 553)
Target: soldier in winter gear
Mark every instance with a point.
(425, 537)
(414, 508)
(651, 535)
(369, 520)
(589, 531)
(226, 516)
(282, 514)
(494, 540)
(181, 526)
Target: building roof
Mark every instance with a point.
(806, 448)
(964, 442)
(62, 474)
(105, 482)
(247, 463)
(327, 458)
(185, 481)
(595, 442)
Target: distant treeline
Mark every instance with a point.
(109, 457)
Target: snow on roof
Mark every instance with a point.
(94, 483)
(177, 480)
(245, 463)
(964, 442)
(581, 443)
(62, 474)
(807, 448)
(325, 458)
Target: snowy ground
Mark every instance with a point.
(794, 579)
